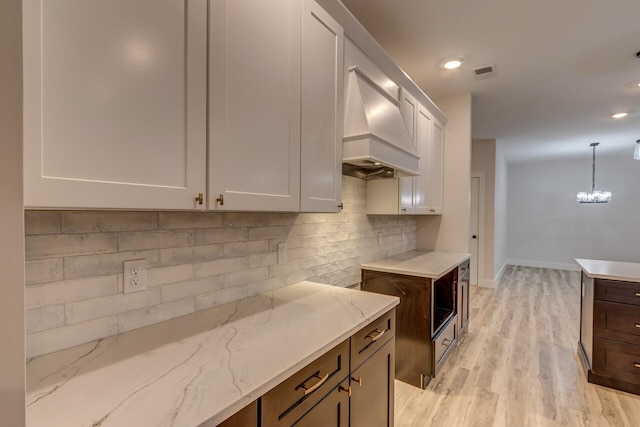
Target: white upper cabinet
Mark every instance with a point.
(322, 115)
(275, 117)
(436, 169)
(424, 125)
(114, 103)
(422, 194)
(254, 110)
(409, 111)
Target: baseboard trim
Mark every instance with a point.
(493, 284)
(543, 264)
(488, 283)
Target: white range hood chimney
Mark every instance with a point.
(375, 135)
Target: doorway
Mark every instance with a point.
(476, 229)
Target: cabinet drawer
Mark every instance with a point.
(373, 336)
(300, 392)
(445, 340)
(333, 410)
(617, 321)
(616, 360)
(617, 291)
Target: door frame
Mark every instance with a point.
(481, 213)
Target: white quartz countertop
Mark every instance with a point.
(612, 270)
(197, 368)
(431, 264)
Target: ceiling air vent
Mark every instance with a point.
(484, 72)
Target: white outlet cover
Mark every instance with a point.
(134, 276)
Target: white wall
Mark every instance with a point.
(12, 366)
(450, 231)
(483, 161)
(548, 228)
(500, 215)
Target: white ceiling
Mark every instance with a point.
(563, 67)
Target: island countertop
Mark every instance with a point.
(430, 264)
(199, 368)
(612, 270)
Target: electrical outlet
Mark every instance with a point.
(282, 253)
(135, 276)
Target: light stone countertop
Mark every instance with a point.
(199, 368)
(430, 264)
(612, 270)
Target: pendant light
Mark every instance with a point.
(595, 196)
(636, 152)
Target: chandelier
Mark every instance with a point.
(594, 196)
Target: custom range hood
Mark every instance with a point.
(376, 141)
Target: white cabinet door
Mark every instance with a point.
(322, 122)
(114, 103)
(436, 169)
(254, 105)
(409, 111)
(424, 126)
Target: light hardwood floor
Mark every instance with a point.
(518, 365)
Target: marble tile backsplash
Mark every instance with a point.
(195, 260)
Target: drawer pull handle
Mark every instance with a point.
(637, 365)
(446, 342)
(347, 389)
(357, 380)
(376, 334)
(307, 389)
(637, 294)
(637, 325)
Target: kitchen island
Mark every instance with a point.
(199, 368)
(433, 288)
(609, 344)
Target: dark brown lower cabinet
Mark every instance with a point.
(372, 389)
(610, 333)
(427, 319)
(247, 417)
(349, 385)
(463, 297)
(332, 410)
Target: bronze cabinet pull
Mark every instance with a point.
(347, 389)
(357, 380)
(378, 334)
(446, 342)
(200, 199)
(637, 294)
(637, 365)
(307, 389)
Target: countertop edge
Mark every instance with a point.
(588, 270)
(408, 271)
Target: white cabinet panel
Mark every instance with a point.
(254, 110)
(322, 123)
(409, 110)
(424, 125)
(115, 103)
(436, 169)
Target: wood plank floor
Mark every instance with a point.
(518, 365)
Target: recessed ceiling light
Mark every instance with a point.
(619, 115)
(453, 64)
